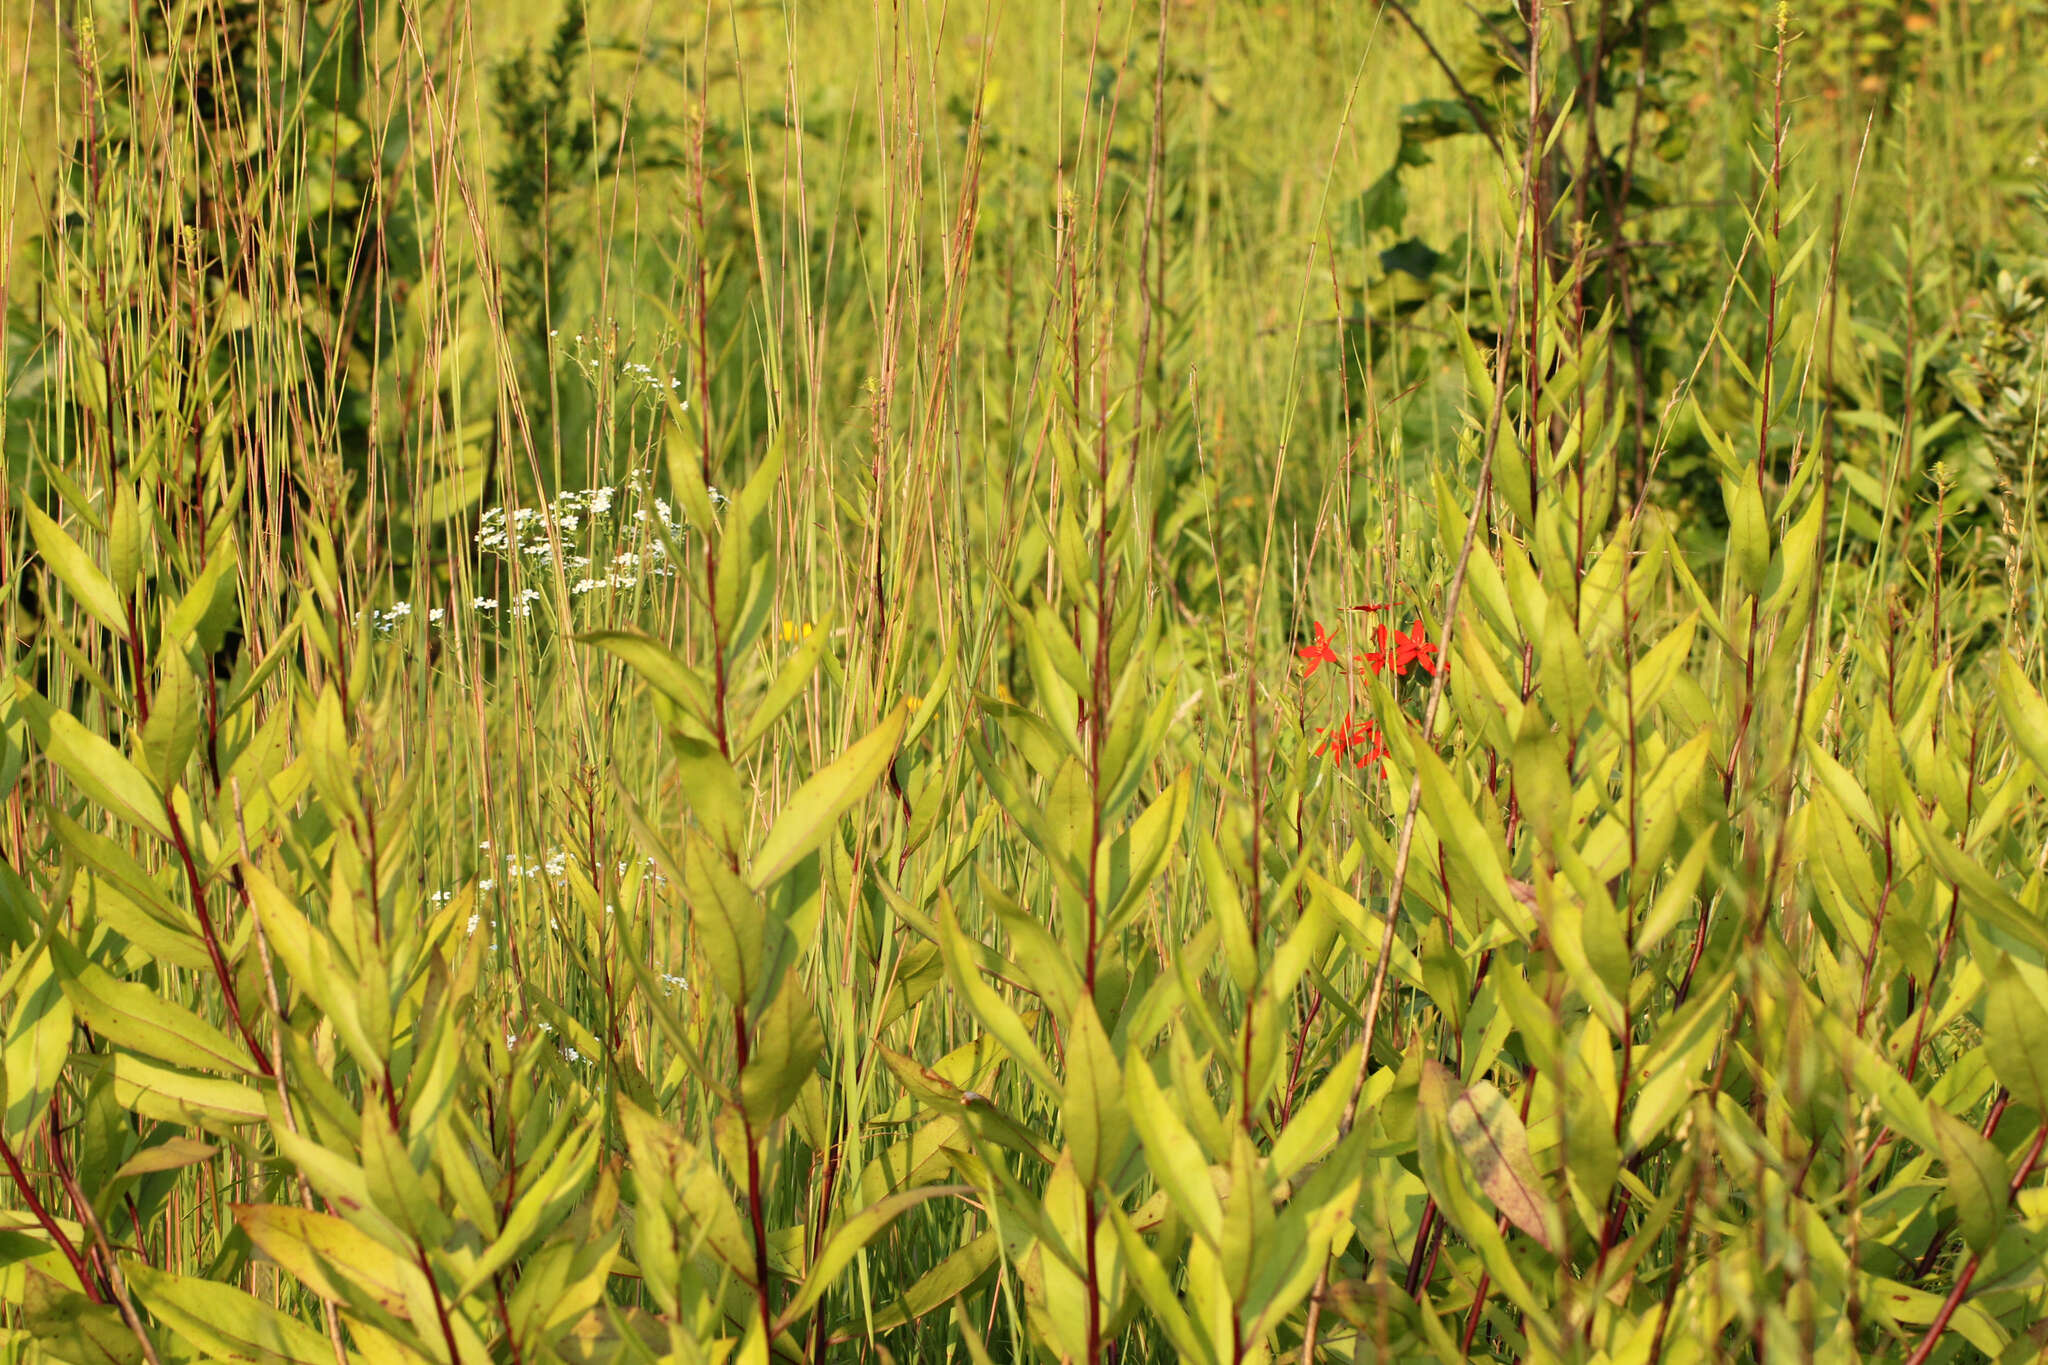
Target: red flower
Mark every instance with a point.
(1344, 736)
(1376, 755)
(1319, 653)
(1364, 736)
(1412, 648)
(1373, 606)
(1380, 657)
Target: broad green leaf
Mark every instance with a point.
(2016, 1035)
(324, 1252)
(124, 540)
(37, 1044)
(995, 1013)
(134, 1016)
(177, 1097)
(810, 815)
(712, 788)
(1495, 1144)
(173, 1154)
(659, 668)
(1982, 895)
(94, 766)
(1156, 1289)
(730, 920)
(2026, 715)
(783, 1048)
(1177, 1160)
(88, 586)
(223, 1320)
(789, 684)
(1095, 1123)
(1749, 535)
(848, 1239)
(1976, 1178)
(943, 1283)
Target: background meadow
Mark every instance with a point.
(687, 683)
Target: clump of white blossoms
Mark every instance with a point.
(603, 540)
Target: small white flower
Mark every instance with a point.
(473, 920)
(485, 604)
(436, 614)
(486, 884)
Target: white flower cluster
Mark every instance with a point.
(633, 372)
(589, 353)
(555, 867)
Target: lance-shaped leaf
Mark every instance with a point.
(332, 1257)
(658, 667)
(222, 1320)
(68, 560)
(783, 1048)
(1981, 893)
(811, 814)
(134, 1016)
(94, 766)
(1155, 1287)
(2026, 715)
(1976, 1178)
(1096, 1125)
(2016, 1034)
(991, 1009)
(790, 681)
(1176, 1157)
(849, 1237)
(940, 1285)
(1494, 1143)
(38, 1040)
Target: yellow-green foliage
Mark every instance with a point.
(697, 684)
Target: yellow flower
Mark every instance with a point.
(914, 702)
(789, 630)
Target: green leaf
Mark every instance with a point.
(134, 1016)
(37, 1043)
(1976, 1178)
(2016, 1034)
(990, 1008)
(173, 1154)
(209, 606)
(850, 1237)
(1749, 533)
(712, 788)
(1156, 1289)
(784, 1044)
(1495, 1144)
(730, 921)
(94, 766)
(659, 668)
(63, 1325)
(157, 1092)
(1096, 1126)
(172, 731)
(89, 587)
(1176, 1158)
(1982, 895)
(222, 1320)
(324, 1253)
(817, 805)
(2026, 715)
(940, 1285)
(124, 540)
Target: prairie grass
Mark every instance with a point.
(668, 701)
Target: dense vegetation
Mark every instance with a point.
(1181, 681)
